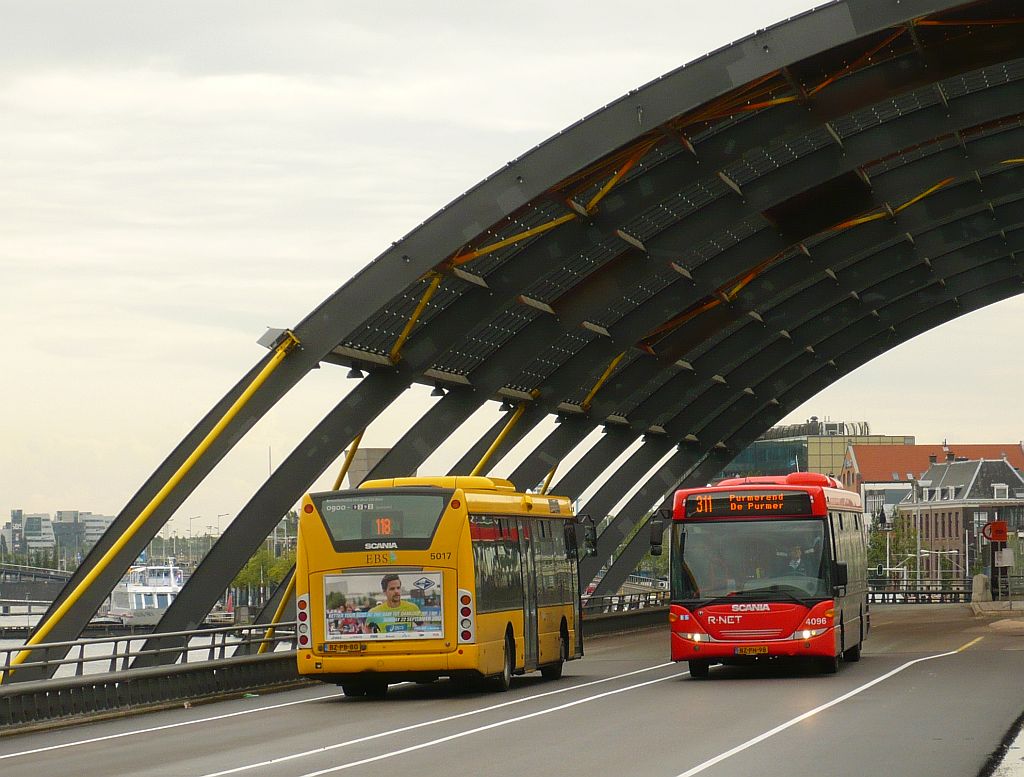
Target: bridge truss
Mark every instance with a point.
(682, 268)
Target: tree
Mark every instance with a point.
(902, 543)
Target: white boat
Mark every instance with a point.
(144, 594)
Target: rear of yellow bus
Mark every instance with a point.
(379, 597)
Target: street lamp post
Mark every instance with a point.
(914, 484)
(191, 561)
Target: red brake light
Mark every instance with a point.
(466, 635)
(466, 612)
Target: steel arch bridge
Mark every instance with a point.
(682, 268)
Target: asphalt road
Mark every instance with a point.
(936, 692)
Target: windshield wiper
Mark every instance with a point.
(727, 599)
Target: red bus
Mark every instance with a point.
(768, 567)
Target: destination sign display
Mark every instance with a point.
(747, 502)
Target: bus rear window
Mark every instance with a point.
(368, 519)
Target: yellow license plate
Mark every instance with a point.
(753, 650)
(344, 647)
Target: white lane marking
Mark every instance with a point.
(150, 730)
(393, 731)
(479, 729)
(213, 718)
(782, 727)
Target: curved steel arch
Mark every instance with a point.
(685, 264)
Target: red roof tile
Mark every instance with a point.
(877, 463)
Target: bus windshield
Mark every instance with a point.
(389, 519)
(763, 560)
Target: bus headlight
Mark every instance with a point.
(807, 633)
(696, 637)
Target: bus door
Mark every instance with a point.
(529, 595)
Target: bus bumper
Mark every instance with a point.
(685, 650)
(395, 667)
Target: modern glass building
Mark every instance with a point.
(814, 446)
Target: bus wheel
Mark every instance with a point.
(852, 654)
(504, 680)
(699, 670)
(353, 689)
(554, 671)
(376, 689)
(829, 665)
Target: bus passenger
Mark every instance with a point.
(392, 614)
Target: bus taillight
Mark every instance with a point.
(467, 620)
(302, 616)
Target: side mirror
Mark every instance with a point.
(840, 575)
(657, 532)
(589, 535)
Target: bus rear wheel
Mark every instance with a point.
(376, 689)
(852, 654)
(554, 671)
(504, 680)
(700, 670)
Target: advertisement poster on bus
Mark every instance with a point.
(383, 606)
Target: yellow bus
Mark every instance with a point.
(420, 578)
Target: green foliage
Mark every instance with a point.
(263, 568)
(902, 542)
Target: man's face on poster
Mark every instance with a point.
(393, 593)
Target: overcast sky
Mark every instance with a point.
(176, 177)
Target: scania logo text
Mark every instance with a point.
(751, 608)
(381, 546)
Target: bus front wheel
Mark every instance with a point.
(699, 670)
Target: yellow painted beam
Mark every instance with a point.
(278, 613)
(282, 350)
(499, 439)
(420, 307)
(349, 455)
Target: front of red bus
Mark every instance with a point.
(751, 576)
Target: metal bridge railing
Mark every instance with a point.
(115, 654)
(594, 605)
(924, 591)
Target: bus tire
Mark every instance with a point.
(554, 671)
(376, 689)
(504, 680)
(700, 670)
(852, 654)
(353, 690)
